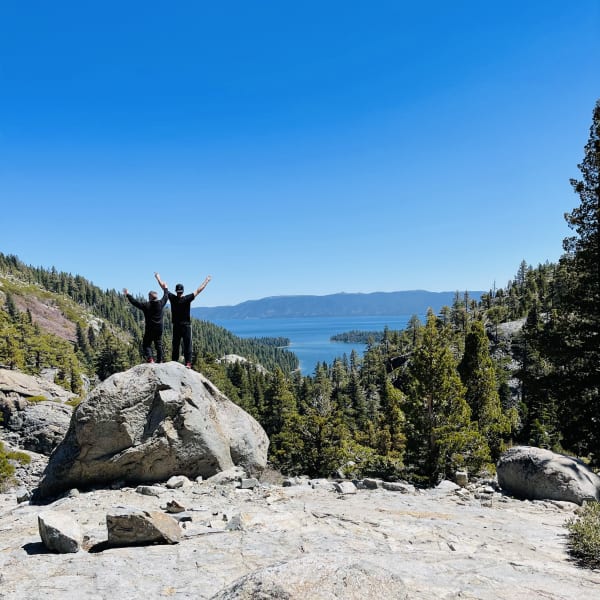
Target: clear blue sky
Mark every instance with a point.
(293, 147)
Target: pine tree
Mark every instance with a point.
(281, 421)
(111, 357)
(440, 435)
(576, 351)
(478, 374)
(280, 404)
(11, 307)
(392, 421)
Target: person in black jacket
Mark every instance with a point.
(153, 316)
(182, 323)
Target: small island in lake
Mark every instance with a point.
(357, 337)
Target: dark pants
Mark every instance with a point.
(153, 336)
(182, 332)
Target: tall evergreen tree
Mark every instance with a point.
(576, 353)
(478, 374)
(11, 307)
(440, 435)
(280, 403)
(281, 422)
(391, 424)
(540, 425)
(111, 356)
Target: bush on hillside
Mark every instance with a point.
(584, 535)
(7, 467)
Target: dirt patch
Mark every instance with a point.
(48, 317)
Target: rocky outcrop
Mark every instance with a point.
(35, 426)
(17, 385)
(316, 576)
(230, 359)
(148, 424)
(34, 414)
(537, 474)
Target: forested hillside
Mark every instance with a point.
(52, 319)
(447, 394)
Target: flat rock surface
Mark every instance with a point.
(15, 383)
(437, 544)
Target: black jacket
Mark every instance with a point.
(153, 311)
(180, 308)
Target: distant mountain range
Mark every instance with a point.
(413, 302)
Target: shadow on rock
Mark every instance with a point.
(36, 548)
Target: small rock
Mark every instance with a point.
(446, 486)
(217, 524)
(174, 507)
(322, 484)
(345, 487)
(370, 484)
(462, 478)
(23, 495)
(248, 483)
(239, 522)
(178, 481)
(131, 526)
(228, 476)
(59, 532)
(397, 486)
(150, 490)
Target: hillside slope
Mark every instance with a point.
(51, 319)
(335, 305)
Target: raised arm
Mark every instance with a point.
(202, 285)
(162, 284)
(132, 299)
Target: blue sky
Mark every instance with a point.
(293, 148)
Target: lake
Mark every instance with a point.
(309, 336)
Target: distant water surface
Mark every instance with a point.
(309, 336)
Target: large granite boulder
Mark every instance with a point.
(536, 474)
(148, 424)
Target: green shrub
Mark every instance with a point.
(7, 468)
(34, 399)
(74, 402)
(584, 535)
(366, 462)
(21, 457)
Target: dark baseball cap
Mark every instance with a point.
(179, 287)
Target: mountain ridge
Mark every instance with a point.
(341, 304)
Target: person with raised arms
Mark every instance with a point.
(180, 314)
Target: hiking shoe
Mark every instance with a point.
(188, 365)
